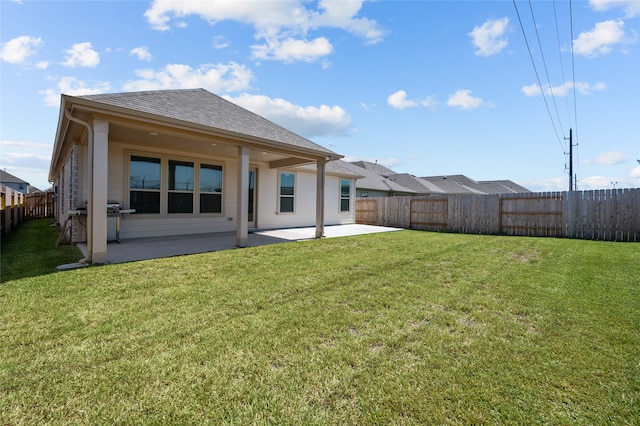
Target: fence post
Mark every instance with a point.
(636, 213)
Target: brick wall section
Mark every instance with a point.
(78, 229)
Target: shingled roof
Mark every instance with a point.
(9, 178)
(198, 106)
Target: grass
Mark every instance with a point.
(396, 328)
(30, 251)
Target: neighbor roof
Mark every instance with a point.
(9, 178)
(201, 107)
(461, 184)
(373, 181)
(337, 167)
(374, 167)
(417, 184)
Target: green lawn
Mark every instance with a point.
(395, 328)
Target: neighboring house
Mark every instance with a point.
(461, 184)
(371, 184)
(420, 186)
(376, 168)
(187, 162)
(389, 183)
(7, 179)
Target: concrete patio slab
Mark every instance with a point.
(158, 247)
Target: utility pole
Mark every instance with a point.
(570, 160)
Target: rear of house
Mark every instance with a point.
(186, 162)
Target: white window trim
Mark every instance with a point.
(295, 191)
(198, 166)
(340, 197)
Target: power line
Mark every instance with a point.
(538, 77)
(544, 63)
(564, 79)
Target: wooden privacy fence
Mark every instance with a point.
(39, 205)
(16, 207)
(12, 211)
(612, 214)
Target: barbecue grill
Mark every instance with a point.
(114, 210)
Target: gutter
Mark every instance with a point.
(70, 117)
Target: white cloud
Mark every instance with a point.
(81, 54)
(599, 182)
(367, 107)
(551, 184)
(220, 42)
(635, 174)
(42, 65)
(463, 99)
(27, 160)
(308, 121)
(630, 7)
(31, 146)
(610, 158)
(290, 50)
(488, 39)
(213, 77)
(283, 25)
(17, 50)
(563, 90)
(142, 53)
(399, 100)
(601, 39)
(74, 87)
(342, 14)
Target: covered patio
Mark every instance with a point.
(135, 249)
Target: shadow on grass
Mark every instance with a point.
(31, 251)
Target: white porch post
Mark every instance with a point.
(320, 172)
(97, 236)
(242, 224)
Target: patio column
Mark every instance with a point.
(98, 155)
(242, 225)
(320, 172)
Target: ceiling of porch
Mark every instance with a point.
(196, 145)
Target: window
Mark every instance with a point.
(180, 199)
(287, 188)
(345, 194)
(144, 184)
(168, 186)
(210, 188)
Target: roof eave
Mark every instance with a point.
(58, 141)
(122, 112)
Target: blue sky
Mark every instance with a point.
(423, 87)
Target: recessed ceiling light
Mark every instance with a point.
(214, 144)
(153, 133)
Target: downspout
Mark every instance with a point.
(70, 117)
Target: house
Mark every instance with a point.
(181, 162)
(376, 168)
(390, 183)
(420, 186)
(461, 184)
(7, 179)
(372, 183)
